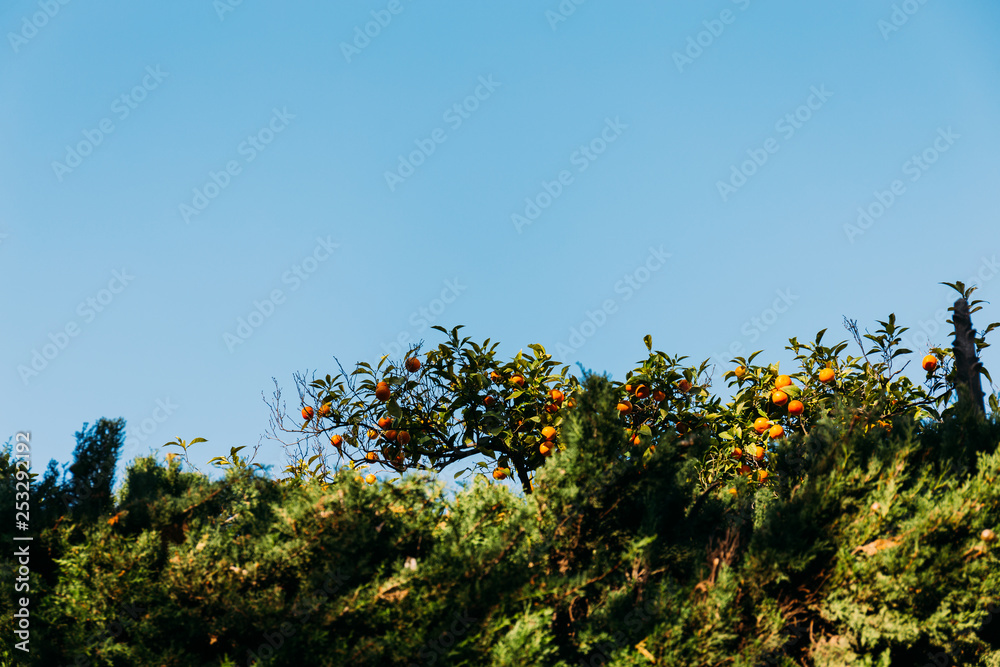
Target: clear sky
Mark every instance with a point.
(694, 171)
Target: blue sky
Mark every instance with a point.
(699, 168)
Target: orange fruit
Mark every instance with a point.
(777, 431)
(336, 441)
(624, 407)
(684, 385)
(682, 428)
(987, 535)
(739, 372)
(518, 380)
(325, 410)
(745, 469)
(496, 377)
(372, 433)
(761, 476)
(737, 453)
(628, 389)
(556, 396)
(545, 449)
(390, 435)
(307, 413)
(382, 391)
(733, 492)
(370, 479)
(499, 474)
(404, 437)
(570, 403)
(761, 424)
(371, 456)
(552, 408)
(795, 408)
(826, 374)
(384, 422)
(782, 381)
(636, 440)
(759, 453)
(412, 364)
(929, 363)
(659, 396)
(489, 401)
(642, 391)
(779, 397)
(548, 433)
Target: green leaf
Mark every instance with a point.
(648, 340)
(197, 440)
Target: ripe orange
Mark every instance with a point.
(552, 408)
(496, 377)
(325, 410)
(777, 431)
(404, 437)
(307, 413)
(684, 385)
(382, 391)
(733, 492)
(390, 435)
(545, 449)
(628, 388)
(336, 441)
(642, 391)
(759, 452)
(826, 374)
(518, 380)
(499, 474)
(489, 401)
(782, 381)
(739, 372)
(659, 396)
(795, 408)
(570, 403)
(761, 476)
(372, 433)
(737, 453)
(384, 422)
(557, 396)
(371, 456)
(548, 433)
(745, 469)
(682, 428)
(761, 424)
(624, 407)
(636, 440)
(779, 397)
(929, 363)
(412, 364)
(370, 479)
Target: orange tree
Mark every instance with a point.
(457, 403)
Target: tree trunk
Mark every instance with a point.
(967, 364)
